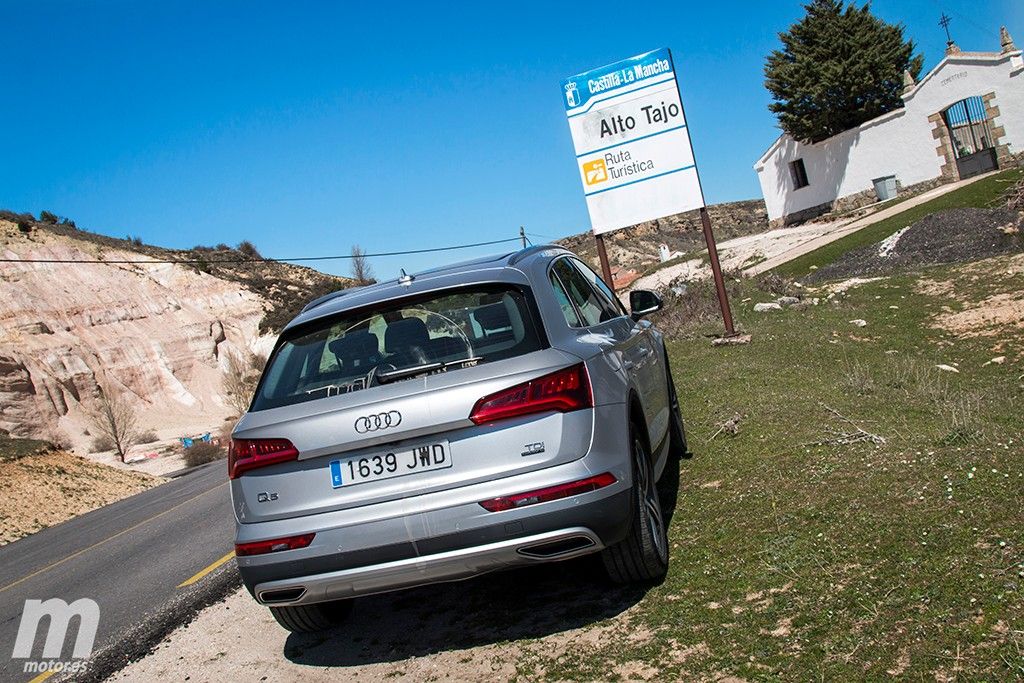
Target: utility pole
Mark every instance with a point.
(522, 236)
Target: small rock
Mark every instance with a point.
(894, 307)
(679, 290)
(859, 322)
(731, 341)
(947, 368)
(787, 300)
(814, 267)
(764, 308)
(998, 360)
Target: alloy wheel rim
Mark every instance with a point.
(651, 503)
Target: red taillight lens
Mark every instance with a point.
(551, 493)
(561, 391)
(274, 545)
(248, 454)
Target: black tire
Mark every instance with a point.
(320, 616)
(678, 448)
(641, 557)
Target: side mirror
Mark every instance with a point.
(643, 302)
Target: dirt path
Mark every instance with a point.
(469, 631)
(843, 230)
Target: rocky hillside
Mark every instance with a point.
(637, 247)
(155, 334)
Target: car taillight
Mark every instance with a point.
(550, 493)
(274, 545)
(561, 391)
(248, 454)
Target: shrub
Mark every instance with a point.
(249, 249)
(696, 305)
(67, 222)
(48, 217)
(201, 453)
(148, 436)
(26, 221)
(102, 444)
(59, 441)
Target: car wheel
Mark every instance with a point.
(678, 446)
(643, 555)
(311, 618)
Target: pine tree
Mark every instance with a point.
(839, 66)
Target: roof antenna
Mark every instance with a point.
(404, 278)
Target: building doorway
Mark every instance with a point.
(970, 133)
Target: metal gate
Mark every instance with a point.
(971, 134)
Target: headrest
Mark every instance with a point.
(493, 317)
(404, 334)
(355, 345)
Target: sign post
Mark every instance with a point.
(633, 151)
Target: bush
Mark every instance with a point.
(249, 249)
(102, 444)
(26, 222)
(696, 306)
(201, 453)
(148, 436)
(47, 217)
(67, 222)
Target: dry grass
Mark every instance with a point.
(46, 488)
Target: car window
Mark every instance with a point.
(615, 306)
(563, 302)
(590, 305)
(442, 332)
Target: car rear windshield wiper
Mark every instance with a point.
(425, 369)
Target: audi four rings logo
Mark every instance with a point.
(375, 423)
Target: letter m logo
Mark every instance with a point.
(60, 614)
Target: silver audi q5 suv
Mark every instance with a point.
(495, 413)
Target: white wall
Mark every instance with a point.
(899, 143)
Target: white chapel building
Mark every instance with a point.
(965, 117)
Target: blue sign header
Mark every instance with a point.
(578, 90)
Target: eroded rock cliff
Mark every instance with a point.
(156, 334)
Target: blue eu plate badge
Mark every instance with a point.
(336, 481)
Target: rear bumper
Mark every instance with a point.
(546, 532)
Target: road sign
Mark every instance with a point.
(632, 142)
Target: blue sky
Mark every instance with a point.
(307, 127)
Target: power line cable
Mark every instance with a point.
(259, 260)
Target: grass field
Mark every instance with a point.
(982, 193)
(798, 557)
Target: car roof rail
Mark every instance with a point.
(328, 297)
(530, 251)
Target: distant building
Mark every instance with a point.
(965, 117)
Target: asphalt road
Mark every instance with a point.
(149, 561)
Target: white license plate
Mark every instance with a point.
(388, 465)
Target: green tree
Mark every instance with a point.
(839, 66)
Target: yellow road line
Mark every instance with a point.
(42, 677)
(110, 538)
(203, 572)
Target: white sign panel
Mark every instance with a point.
(632, 143)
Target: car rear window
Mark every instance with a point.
(442, 332)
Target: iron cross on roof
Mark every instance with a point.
(944, 23)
